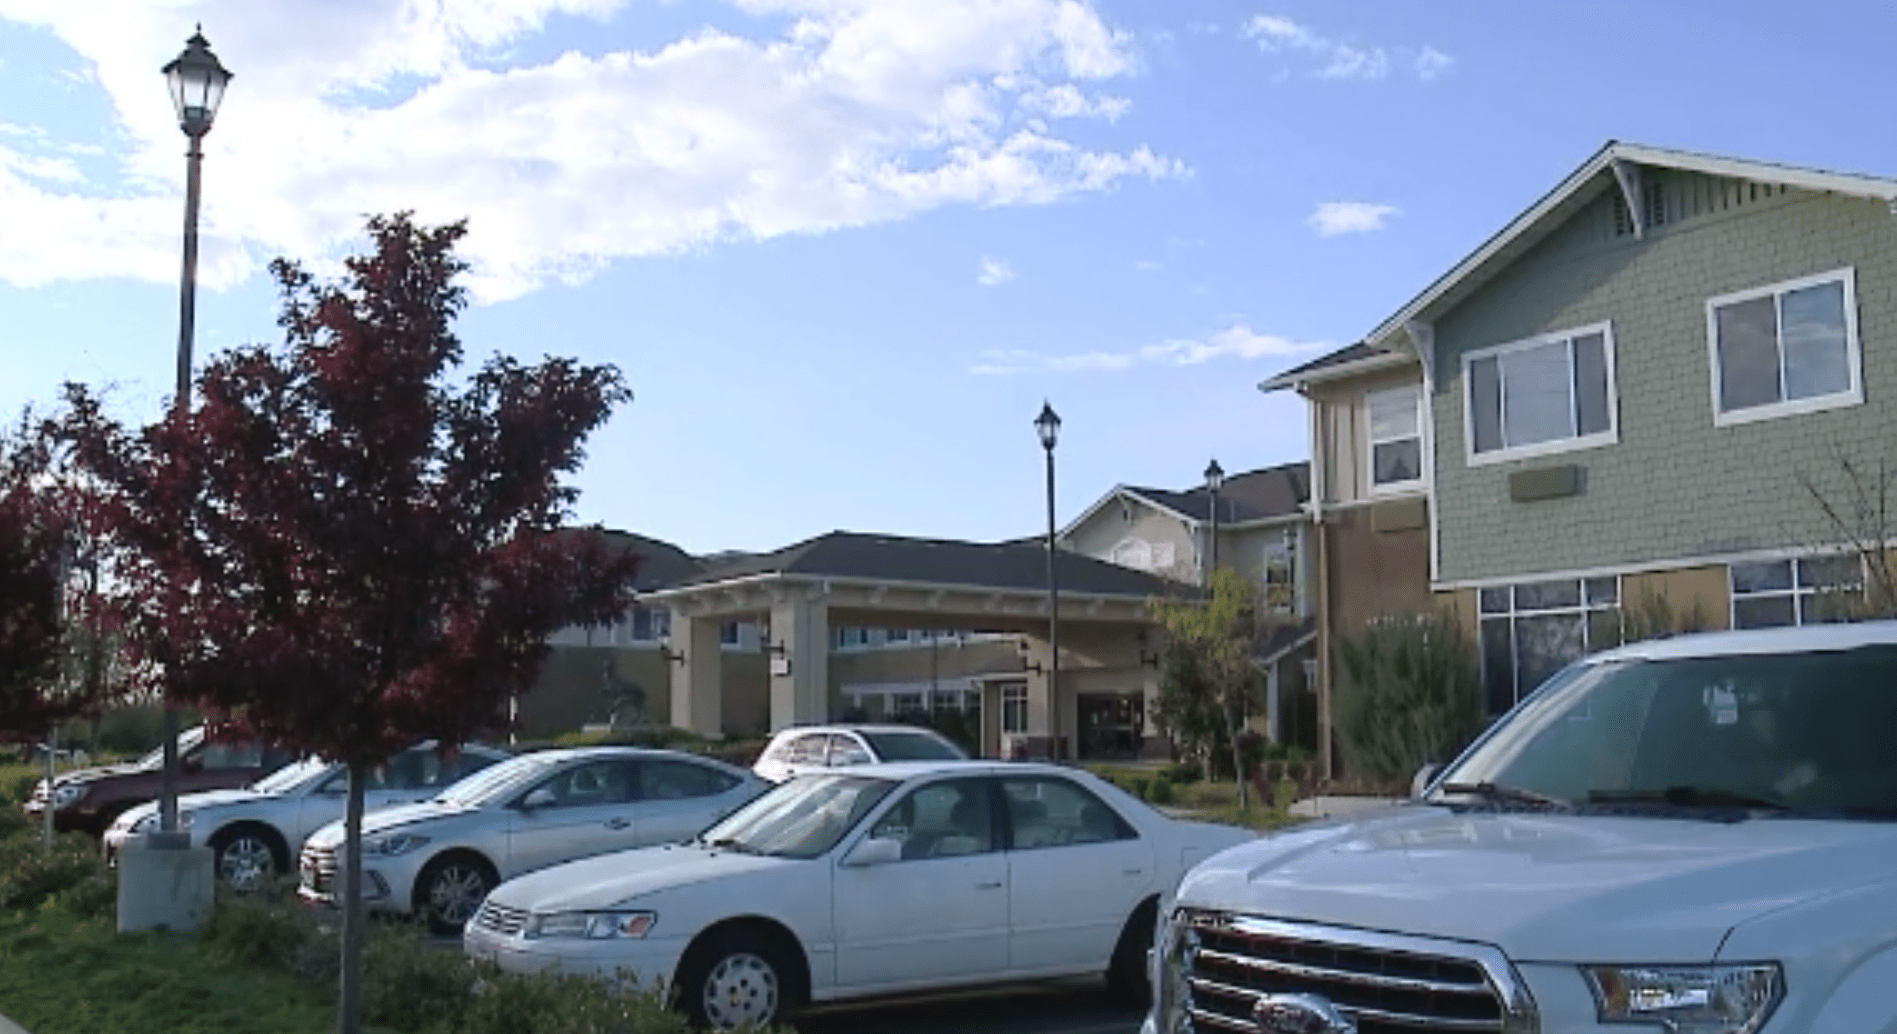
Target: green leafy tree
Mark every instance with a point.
(1411, 694)
(1218, 634)
(1188, 705)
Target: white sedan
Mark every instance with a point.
(255, 833)
(881, 879)
(439, 859)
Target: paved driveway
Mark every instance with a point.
(1078, 1007)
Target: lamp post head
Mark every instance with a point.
(1048, 426)
(197, 80)
(1214, 476)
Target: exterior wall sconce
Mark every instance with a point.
(1150, 660)
(670, 655)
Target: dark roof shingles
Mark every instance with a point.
(1252, 496)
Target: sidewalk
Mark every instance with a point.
(9, 1027)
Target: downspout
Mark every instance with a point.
(1422, 337)
(1320, 459)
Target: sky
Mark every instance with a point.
(842, 250)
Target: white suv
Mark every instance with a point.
(812, 748)
(1693, 834)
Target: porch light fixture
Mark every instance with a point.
(1150, 660)
(197, 80)
(670, 655)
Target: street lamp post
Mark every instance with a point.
(1214, 480)
(197, 80)
(1047, 425)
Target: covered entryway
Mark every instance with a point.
(843, 580)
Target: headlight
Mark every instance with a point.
(149, 823)
(386, 847)
(66, 795)
(592, 926)
(1688, 999)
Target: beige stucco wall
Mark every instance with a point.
(1126, 519)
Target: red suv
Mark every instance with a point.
(86, 800)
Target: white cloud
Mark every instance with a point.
(1146, 266)
(860, 112)
(1234, 342)
(1340, 217)
(1340, 59)
(993, 271)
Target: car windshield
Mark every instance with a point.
(496, 782)
(292, 776)
(912, 746)
(803, 818)
(186, 740)
(1802, 732)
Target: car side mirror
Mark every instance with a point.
(191, 763)
(875, 851)
(541, 798)
(1424, 776)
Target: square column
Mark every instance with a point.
(698, 684)
(800, 695)
(1047, 716)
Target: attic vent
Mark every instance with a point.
(1668, 198)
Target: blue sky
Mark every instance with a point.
(842, 249)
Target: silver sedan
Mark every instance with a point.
(438, 860)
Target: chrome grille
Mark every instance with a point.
(1386, 983)
(317, 869)
(500, 919)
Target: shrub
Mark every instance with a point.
(1411, 694)
(31, 873)
(1140, 787)
(1184, 773)
(268, 928)
(411, 987)
(1162, 792)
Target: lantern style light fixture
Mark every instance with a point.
(1048, 426)
(197, 79)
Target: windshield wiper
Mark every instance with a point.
(1691, 797)
(1503, 794)
(728, 844)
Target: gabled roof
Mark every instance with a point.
(1019, 565)
(1256, 495)
(1581, 186)
(661, 564)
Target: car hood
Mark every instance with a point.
(611, 879)
(1554, 888)
(385, 820)
(94, 774)
(193, 802)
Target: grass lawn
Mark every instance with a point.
(67, 975)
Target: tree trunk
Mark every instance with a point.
(349, 1003)
(1238, 758)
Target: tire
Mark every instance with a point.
(247, 857)
(450, 890)
(735, 975)
(1128, 980)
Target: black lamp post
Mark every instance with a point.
(197, 80)
(1214, 480)
(1047, 425)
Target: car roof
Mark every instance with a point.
(890, 727)
(556, 754)
(907, 770)
(1755, 642)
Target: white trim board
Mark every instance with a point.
(1650, 567)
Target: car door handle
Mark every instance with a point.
(992, 885)
(618, 823)
(1131, 872)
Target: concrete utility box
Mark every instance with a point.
(164, 888)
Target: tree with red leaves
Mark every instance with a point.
(339, 551)
(50, 659)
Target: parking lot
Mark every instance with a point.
(1077, 1007)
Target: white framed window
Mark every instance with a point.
(1162, 556)
(1532, 630)
(896, 636)
(851, 638)
(1394, 443)
(1784, 349)
(1281, 589)
(1133, 553)
(1794, 590)
(729, 633)
(1548, 394)
(650, 624)
(1014, 708)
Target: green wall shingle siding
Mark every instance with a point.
(1674, 486)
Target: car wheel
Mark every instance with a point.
(1128, 980)
(247, 857)
(450, 890)
(738, 979)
